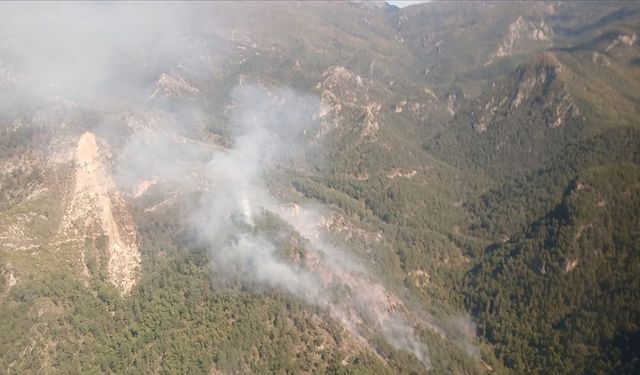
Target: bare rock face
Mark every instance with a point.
(174, 85)
(537, 78)
(627, 40)
(520, 31)
(600, 59)
(97, 208)
(345, 96)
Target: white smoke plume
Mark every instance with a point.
(107, 57)
(271, 126)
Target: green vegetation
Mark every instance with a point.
(518, 202)
(562, 296)
(178, 319)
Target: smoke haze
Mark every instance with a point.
(91, 51)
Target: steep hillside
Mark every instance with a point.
(571, 274)
(334, 187)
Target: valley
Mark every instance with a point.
(320, 187)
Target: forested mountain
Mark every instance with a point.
(320, 187)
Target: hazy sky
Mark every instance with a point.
(405, 3)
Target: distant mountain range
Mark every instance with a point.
(320, 187)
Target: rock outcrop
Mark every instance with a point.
(97, 208)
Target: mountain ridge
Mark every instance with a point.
(321, 188)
